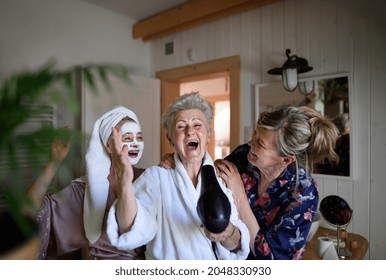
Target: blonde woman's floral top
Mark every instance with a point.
(283, 214)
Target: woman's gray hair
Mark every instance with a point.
(187, 101)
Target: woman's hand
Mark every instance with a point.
(120, 160)
(126, 208)
(59, 149)
(230, 238)
(229, 173)
(167, 161)
(37, 191)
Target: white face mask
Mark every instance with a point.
(132, 138)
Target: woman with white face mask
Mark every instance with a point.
(132, 138)
(75, 217)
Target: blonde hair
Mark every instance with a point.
(302, 132)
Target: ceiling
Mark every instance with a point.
(141, 9)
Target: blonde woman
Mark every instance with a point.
(270, 178)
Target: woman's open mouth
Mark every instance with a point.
(191, 145)
(252, 155)
(133, 153)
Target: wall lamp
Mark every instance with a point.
(293, 66)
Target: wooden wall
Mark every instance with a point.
(333, 40)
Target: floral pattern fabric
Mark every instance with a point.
(283, 212)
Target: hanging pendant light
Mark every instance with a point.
(293, 66)
(290, 79)
(306, 87)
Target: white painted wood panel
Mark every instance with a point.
(345, 41)
(378, 140)
(333, 40)
(201, 43)
(278, 28)
(237, 41)
(210, 41)
(266, 47)
(255, 41)
(316, 41)
(226, 33)
(290, 24)
(361, 128)
(329, 39)
(302, 34)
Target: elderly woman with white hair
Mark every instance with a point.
(160, 208)
(75, 217)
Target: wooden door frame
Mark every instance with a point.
(171, 79)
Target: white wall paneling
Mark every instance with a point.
(333, 40)
(377, 140)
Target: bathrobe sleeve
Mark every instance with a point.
(145, 224)
(167, 220)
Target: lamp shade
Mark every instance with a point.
(306, 87)
(293, 66)
(290, 79)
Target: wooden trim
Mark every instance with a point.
(169, 91)
(191, 14)
(215, 98)
(202, 69)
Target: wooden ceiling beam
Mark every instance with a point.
(191, 14)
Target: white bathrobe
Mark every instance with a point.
(167, 219)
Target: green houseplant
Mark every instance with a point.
(22, 99)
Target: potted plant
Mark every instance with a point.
(22, 99)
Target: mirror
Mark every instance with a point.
(336, 211)
(330, 97)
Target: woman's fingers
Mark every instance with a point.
(59, 149)
(119, 157)
(115, 139)
(218, 237)
(167, 161)
(227, 168)
(230, 175)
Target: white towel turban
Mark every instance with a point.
(97, 170)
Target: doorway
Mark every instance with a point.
(172, 80)
(216, 91)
